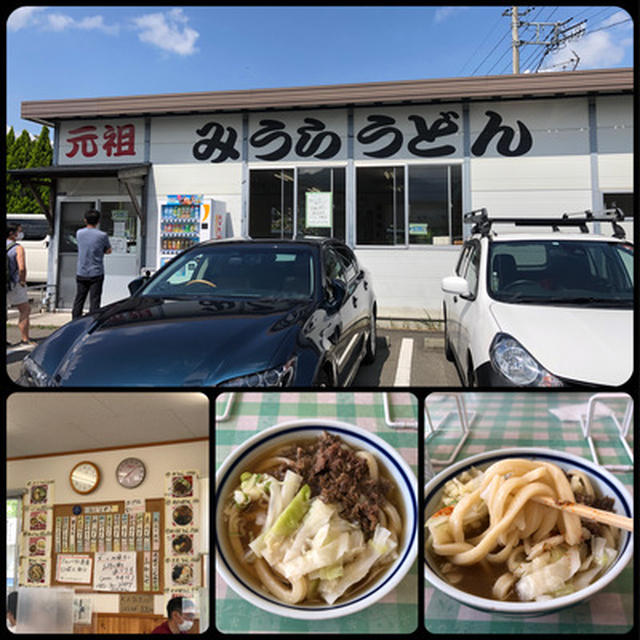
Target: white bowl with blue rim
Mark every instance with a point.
(604, 483)
(288, 433)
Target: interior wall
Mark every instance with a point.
(157, 459)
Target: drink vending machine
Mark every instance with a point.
(185, 220)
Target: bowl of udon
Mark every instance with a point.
(493, 544)
(315, 519)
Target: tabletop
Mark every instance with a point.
(551, 420)
(247, 413)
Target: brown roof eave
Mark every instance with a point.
(448, 89)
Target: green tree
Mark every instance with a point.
(22, 153)
(41, 156)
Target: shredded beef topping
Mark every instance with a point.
(338, 476)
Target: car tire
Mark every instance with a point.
(448, 350)
(370, 353)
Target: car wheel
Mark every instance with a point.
(448, 350)
(370, 354)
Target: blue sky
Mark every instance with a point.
(59, 52)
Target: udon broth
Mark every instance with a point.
(489, 538)
(247, 524)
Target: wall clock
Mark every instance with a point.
(84, 477)
(130, 473)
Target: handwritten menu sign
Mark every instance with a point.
(319, 208)
(115, 571)
(74, 568)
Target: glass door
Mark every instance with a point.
(271, 203)
(119, 220)
(71, 216)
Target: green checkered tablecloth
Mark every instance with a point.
(250, 413)
(532, 420)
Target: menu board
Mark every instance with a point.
(106, 547)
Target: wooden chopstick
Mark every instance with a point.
(582, 510)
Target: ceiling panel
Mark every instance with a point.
(41, 423)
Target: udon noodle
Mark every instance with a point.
(314, 523)
(490, 538)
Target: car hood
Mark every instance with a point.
(593, 346)
(160, 342)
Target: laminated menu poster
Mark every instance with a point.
(180, 543)
(115, 571)
(39, 492)
(182, 513)
(181, 484)
(182, 572)
(39, 519)
(36, 572)
(36, 545)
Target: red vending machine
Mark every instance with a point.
(185, 220)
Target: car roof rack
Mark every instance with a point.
(482, 223)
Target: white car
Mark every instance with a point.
(549, 308)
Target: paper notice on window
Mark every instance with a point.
(115, 571)
(319, 209)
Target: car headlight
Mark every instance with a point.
(517, 365)
(35, 373)
(281, 376)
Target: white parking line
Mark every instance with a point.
(403, 371)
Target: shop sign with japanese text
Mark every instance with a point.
(117, 141)
(396, 133)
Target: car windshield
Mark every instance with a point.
(562, 272)
(237, 271)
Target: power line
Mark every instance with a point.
(481, 44)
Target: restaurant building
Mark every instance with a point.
(388, 167)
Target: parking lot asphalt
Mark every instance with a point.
(405, 358)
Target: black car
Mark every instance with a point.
(236, 313)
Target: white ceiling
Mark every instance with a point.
(41, 423)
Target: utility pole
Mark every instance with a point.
(515, 41)
(515, 38)
(560, 33)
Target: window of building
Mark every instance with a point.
(435, 204)
(380, 210)
(321, 202)
(318, 209)
(271, 203)
(434, 214)
(14, 510)
(624, 202)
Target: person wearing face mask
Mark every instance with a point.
(180, 614)
(17, 295)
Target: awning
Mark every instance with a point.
(82, 171)
(131, 175)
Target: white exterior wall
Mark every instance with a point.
(407, 281)
(558, 172)
(615, 143)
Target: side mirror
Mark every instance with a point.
(456, 285)
(137, 284)
(336, 293)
